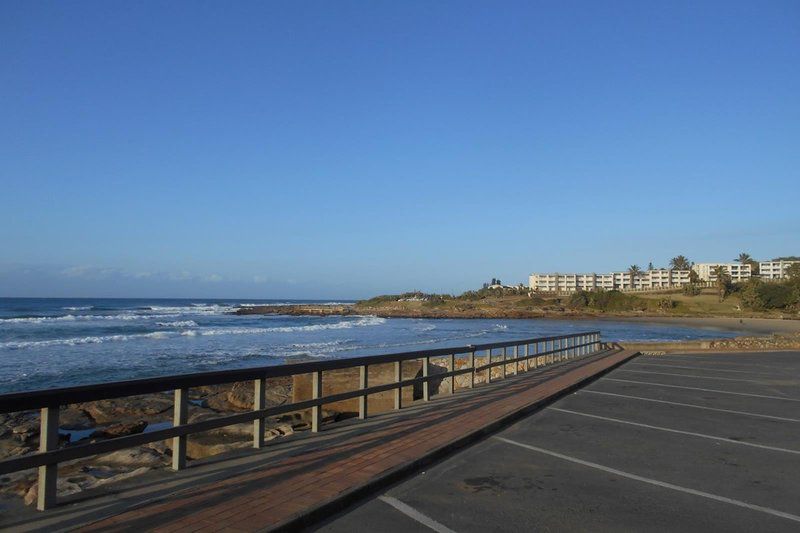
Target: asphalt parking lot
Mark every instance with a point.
(682, 442)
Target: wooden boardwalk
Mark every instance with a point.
(331, 471)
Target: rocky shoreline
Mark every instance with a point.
(471, 311)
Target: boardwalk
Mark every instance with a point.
(295, 483)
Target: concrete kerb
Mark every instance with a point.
(349, 498)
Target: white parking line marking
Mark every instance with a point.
(655, 482)
(704, 390)
(759, 415)
(670, 430)
(415, 515)
(704, 368)
(689, 376)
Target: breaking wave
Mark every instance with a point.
(75, 341)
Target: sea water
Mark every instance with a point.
(48, 343)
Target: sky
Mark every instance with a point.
(346, 149)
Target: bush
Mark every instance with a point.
(776, 296)
(692, 289)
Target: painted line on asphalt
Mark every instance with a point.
(700, 389)
(650, 481)
(681, 432)
(415, 515)
(759, 415)
(706, 368)
(690, 376)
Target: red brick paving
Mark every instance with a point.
(291, 486)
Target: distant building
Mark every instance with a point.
(656, 278)
(737, 271)
(774, 269)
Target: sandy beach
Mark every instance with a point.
(748, 326)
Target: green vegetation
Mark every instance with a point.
(759, 295)
(723, 283)
(746, 259)
(680, 262)
(617, 301)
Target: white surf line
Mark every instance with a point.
(705, 368)
(415, 515)
(759, 415)
(700, 389)
(657, 483)
(689, 376)
(681, 432)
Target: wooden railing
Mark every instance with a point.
(530, 353)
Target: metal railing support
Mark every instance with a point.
(525, 365)
(316, 393)
(452, 369)
(426, 388)
(398, 391)
(363, 382)
(489, 369)
(48, 474)
(505, 364)
(259, 402)
(180, 416)
(471, 363)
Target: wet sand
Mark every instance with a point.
(750, 326)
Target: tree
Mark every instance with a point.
(722, 282)
(635, 272)
(746, 259)
(793, 272)
(680, 262)
(650, 266)
(694, 277)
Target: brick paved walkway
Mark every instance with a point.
(298, 489)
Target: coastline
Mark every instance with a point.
(745, 325)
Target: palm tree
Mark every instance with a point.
(635, 272)
(745, 258)
(680, 263)
(722, 280)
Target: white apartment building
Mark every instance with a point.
(774, 269)
(656, 278)
(736, 271)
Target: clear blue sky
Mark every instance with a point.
(342, 149)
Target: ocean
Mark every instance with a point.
(55, 342)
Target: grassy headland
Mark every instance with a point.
(519, 303)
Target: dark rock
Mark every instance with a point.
(120, 430)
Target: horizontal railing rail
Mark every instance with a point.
(543, 350)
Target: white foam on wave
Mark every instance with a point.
(71, 318)
(79, 308)
(178, 324)
(75, 341)
(194, 309)
(346, 324)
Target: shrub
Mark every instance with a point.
(691, 289)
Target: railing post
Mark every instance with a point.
(363, 381)
(179, 417)
(398, 391)
(259, 401)
(536, 353)
(515, 355)
(505, 352)
(426, 388)
(489, 369)
(48, 474)
(525, 365)
(472, 365)
(453, 377)
(316, 393)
